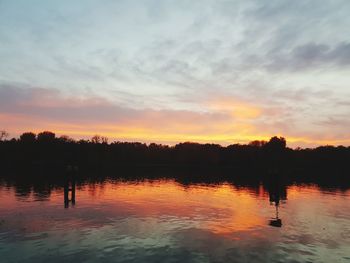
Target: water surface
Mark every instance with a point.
(165, 221)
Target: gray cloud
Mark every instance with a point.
(48, 105)
(312, 56)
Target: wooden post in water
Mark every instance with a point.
(66, 194)
(73, 191)
(69, 186)
(277, 192)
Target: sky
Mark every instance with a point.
(168, 71)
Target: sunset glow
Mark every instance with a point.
(188, 73)
(174, 131)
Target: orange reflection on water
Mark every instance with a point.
(220, 208)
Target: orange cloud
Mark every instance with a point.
(237, 109)
(223, 120)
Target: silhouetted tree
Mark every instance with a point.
(274, 154)
(66, 139)
(104, 139)
(46, 136)
(276, 144)
(272, 158)
(3, 135)
(28, 137)
(99, 139)
(257, 143)
(96, 139)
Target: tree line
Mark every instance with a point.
(45, 149)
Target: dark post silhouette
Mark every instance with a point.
(69, 186)
(277, 192)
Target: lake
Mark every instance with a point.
(162, 220)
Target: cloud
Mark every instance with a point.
(37, 108)
(51, 103)
(222, 120)
(201, 70)
(312, 56)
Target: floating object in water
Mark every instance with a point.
(275, 222)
